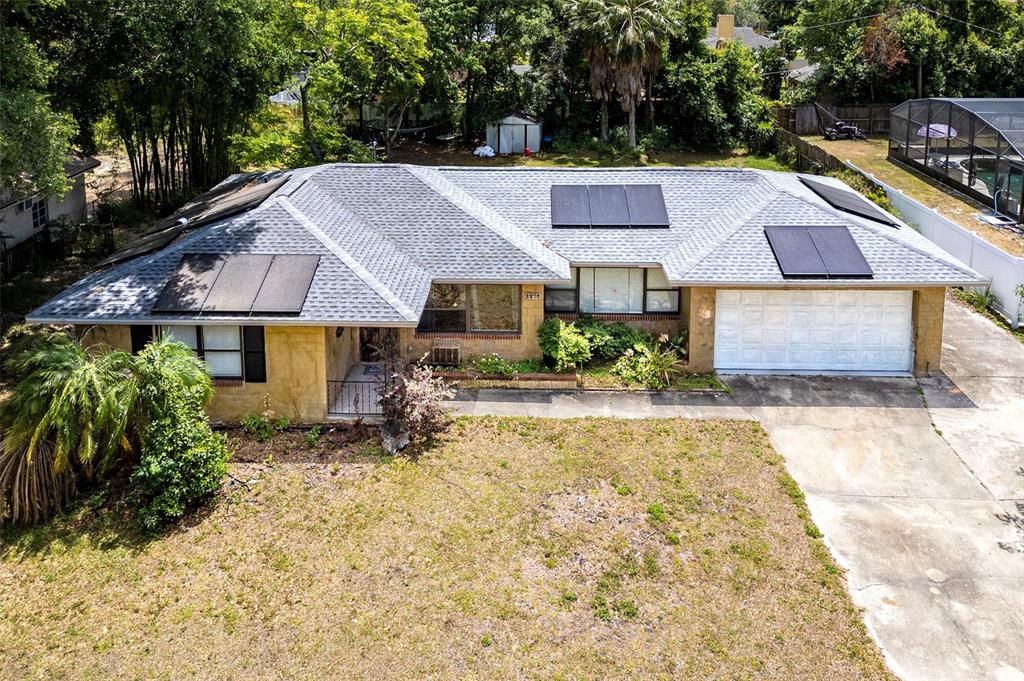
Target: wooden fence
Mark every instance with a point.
(809, 158)
(803, 120)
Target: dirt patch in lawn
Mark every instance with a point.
(334, 443)
(514, 548)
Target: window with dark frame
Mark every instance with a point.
(40, 214)
(231, 352)
(472, 308)
(655, 297)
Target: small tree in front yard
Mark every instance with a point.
(411, 398)
(181, 460)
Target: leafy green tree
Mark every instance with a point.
(921, 39)
(473, 45)
(34, 138)
(355, 52)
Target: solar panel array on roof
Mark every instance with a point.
(229, 198)
(850, 202)
(286, 284)
(209, 283)
(826, 252)
(238, 283)
(191, 282)
(608, 205)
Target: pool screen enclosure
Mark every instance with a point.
(975, 146)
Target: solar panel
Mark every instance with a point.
(238, 283)
(225, 200)
(646, 205)
(570, 206)
(608, 205)
(851, 202)
(286, 284)
(189, 285)
(795, 252)
(839, 252)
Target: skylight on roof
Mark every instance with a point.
(629, 206)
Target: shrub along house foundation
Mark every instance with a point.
(288, 284)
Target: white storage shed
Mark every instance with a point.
(513, 133)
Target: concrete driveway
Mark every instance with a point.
(918, 488)
(919, 491)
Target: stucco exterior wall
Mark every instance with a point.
(113, 336)
(296, 373)
(296, 379)
(512, 347)
(342, 351)
(17, 223)
(929, 305)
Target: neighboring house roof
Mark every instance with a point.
(385, 232)
(745, 35)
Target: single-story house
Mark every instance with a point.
(285, 282)
(26, 217)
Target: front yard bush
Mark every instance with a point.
(182, 461)
(654, 365)
(562, 344)
(609, 341)
(496, 365)
(78, 415)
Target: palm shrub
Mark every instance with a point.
(75, 413)
(69, 416)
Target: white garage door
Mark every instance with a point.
(813, 331)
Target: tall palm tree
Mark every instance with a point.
(585, 17)
(629, 36)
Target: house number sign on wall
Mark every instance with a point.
(531, 295)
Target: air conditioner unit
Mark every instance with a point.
(446, 353)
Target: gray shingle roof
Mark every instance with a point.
(385, 232)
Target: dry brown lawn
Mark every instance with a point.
(515, 548)
(870, 155)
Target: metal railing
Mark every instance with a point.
(359, 397)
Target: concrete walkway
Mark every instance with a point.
(917, 487)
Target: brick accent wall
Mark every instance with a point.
(518, 346)
(928, 308)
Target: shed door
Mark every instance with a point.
(814, 331)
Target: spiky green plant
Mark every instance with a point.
(81, 402)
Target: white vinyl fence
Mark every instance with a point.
(1005, 271)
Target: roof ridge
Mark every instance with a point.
(357, 268)
(491, 219)
(740, 215)
(326, 195)
(885, 232)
